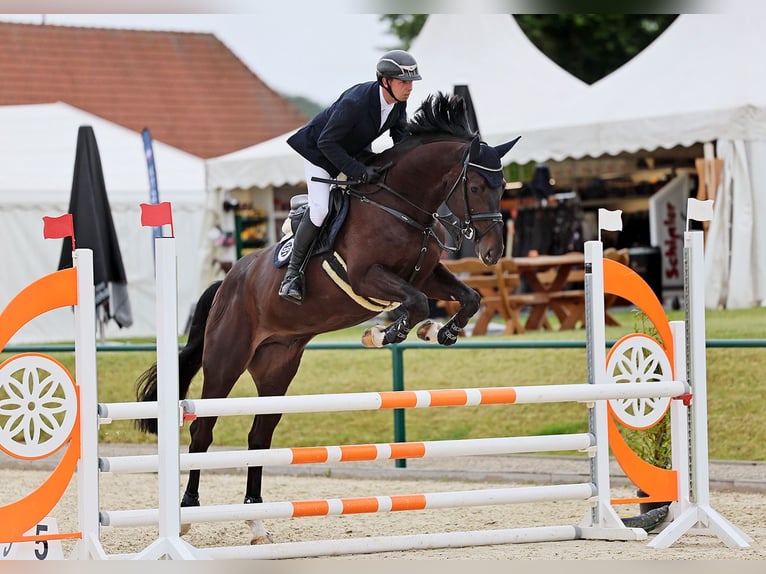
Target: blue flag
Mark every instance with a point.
(154, 194)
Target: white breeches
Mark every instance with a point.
(319, 193)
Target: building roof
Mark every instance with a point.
(189, 89)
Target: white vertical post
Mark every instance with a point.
(697, 367)
(594, 265)
(602, 519)
(168, 422)
(679, 421)
(169, 544)
(699, 514)
(86, 376)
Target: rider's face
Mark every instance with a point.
(401, 88)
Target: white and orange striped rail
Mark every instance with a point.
(352, 453)
(358, 505)
(338, 402)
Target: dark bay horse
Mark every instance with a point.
(392, 241)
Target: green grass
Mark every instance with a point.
(736, 391)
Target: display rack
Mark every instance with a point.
(251, 230)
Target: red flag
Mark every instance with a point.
(156, 214)
(59, 227)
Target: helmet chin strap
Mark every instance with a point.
(387, 87)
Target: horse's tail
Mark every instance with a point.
(189, 359)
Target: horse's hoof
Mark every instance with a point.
(188, 499)
(373, 337)
(429, 331)
(258, 532)
(261, 540)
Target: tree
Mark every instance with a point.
(589, 46)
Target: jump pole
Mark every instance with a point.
(339, 402)
(698, 516)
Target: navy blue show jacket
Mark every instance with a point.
(336, 135)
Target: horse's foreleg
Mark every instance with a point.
(448, 334)
(444, 286)
(396, 332)
(380, 283)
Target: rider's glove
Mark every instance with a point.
(371, 174)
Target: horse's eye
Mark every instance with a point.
(475, 189)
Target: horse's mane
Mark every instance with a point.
(441, 114)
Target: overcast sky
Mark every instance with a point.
(317, 56)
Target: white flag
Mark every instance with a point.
(610, 220)
(699, 210)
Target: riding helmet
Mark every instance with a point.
(397, 64)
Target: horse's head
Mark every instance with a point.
(478, 205)
(444, 161)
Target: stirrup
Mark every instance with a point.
(289, 291)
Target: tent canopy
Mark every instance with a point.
(697, 82)
(38, 146)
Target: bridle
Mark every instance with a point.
(459, 229)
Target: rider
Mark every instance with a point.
(330, 142)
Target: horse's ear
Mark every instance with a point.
(502, 149)
(473, 151)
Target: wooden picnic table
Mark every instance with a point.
(547, 276)
(553, 282)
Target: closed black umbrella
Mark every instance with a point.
(463, 91)
(94, 229)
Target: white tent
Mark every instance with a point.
(697, 82)
(272, 162)
(700, 81)
(509, 79)
(37, 151)
(511, 82)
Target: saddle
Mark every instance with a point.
(326, 239)
(333, 264)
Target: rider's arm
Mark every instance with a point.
(340, 124)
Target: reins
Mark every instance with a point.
(456, 228)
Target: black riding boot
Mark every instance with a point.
(292, 284)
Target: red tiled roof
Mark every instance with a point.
(189, 89)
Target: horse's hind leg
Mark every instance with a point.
(225, 359)
(261, 433)
(273, 368)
